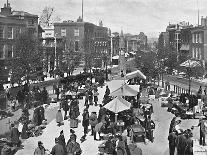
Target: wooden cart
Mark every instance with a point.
(138, 133)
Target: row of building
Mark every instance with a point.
(95, 43)
(188, 41)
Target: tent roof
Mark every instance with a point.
(118, 104)
(115, 57)
(124, 90)
(115, 84)
(134, 74)
(190, 63)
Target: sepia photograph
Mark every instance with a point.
(103, 77)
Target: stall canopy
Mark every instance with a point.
(134, 74)
(124, 90)
(115, 84)
(118, 104)
(190, 63)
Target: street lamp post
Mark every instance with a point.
(162, 65)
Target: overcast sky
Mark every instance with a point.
(133, 16)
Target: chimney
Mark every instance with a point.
(6, 10)
(100, 23)
(202, 21)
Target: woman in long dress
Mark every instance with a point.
(59, 117)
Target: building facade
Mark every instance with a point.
(12, 24)
(84, 37)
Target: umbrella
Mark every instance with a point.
(117, 105)
(124, 90)
(134, 74)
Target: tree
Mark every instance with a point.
(27, 58)
(47, 17)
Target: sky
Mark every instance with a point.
(132, 16)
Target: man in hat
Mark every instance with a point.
(61, 139)
(40, 150)
(73, 148)
(57, 149)
(44, 94)
(181, 143)
(85, 121)
(202, 132)
(172, 142)
(15, 134)
(93, 120)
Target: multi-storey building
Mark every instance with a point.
(84, 37)
(12, 23)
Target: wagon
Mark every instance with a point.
(138, 133)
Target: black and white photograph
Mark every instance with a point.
(103, 77)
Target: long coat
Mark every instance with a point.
(74, 110)
(24, 134)
(36, 116)
(72, 148)
(15, 135)
(59, 117)
(85, 121)
(121, 148)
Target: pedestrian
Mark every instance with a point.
(90, 97)
(41, 113)
(40, 150)
(95, 94)
(149, 127)
(107, 92)
(110, 147)
(93, 120)
(181, 143)
(189, 143)
(134, 150)
(172, 142)
(65, 106)
(199, 93)
(44, 96)
(59, 117)
(54, 88)
(172, 124)
(57, 149)
(101, 113)
(121, 147)
(73, 147)
(98, 128)
(57, 91)
(36, 115)
(85, 122)
(86, 98)
(15, 134)
(24, 133)
(74, 112)
(202, 132)
(61, 140)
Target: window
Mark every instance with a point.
(193, 52)
(200, 56)
(1, 32)
(193, 38)
(200, 38)
(10, 51)
(2, 49)
(30, 22)
(10, 33)
(76, 32)
(18, 31)
(63, 32)
(76, 46)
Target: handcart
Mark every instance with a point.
(138, 133)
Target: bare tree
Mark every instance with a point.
(48, 17)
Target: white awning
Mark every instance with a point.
(115, 57)
(190, 63)
(134, 74)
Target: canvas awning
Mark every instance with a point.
(117, 105)
(185, 48)
(124, 90)
(115, 57)
(190, 63)
(115, 84)
(134, 74)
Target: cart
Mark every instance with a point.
(137, 133)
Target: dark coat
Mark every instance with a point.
(121, 148)
(181, 143)
(58, 150)
(172, 139)
(85, 121)
(24, 133)
(73, 147)
(44, 95)
(65, 105)
(74, 110)
(189, 147)
(61, 139)
(15, 135)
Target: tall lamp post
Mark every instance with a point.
(162, 65)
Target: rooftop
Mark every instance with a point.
(22, 13)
